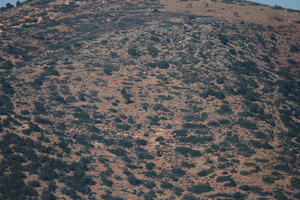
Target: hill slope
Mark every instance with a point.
(149, 100)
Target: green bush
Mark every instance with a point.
(267, 179)
(189, 197)
(39, 107)
(161, 65)
(93, 129)
(152, 51)
(279, 195)
(107, 182)
(294, 49)
(223, 39)
(149, 184)
(239, 196)
(126, 143)
(251, 95)
(295, 182)
(141, 142)
(193, 126)
(247, 67)
(150, 165)
(124, 127)
(178, 172)
(166, 185)
(187, 165)
(224, 179)
(82, 116)
(7, 65)
(178, 191)
(180, 132)
(186, 151)
(254, 189)
(205, 172)
(42, 120)
(118, 151)
(201, 188)
(133, 51)
(225, 108)
(246, 124)
(133, 180)
(297, 195)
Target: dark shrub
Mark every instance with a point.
(178, 172)
(133, 180)
(133, 51)
(150, 165)
(189, 197)
(201, 188)
(141, 142)
(295, 182)
(166, 185)
(205, 172)
(124, 127)
(149, 184)
(246, 124)
(223, 39)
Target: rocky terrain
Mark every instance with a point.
(149, 99)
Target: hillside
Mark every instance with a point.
(149, 99)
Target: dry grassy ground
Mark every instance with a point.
(149, 100)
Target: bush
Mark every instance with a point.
(223, 39)
(294, 49)
(224, 179)
(141, 142)
(279, 195)
(267, 179)
(178, 172)
(220, 80)
(7, 65)
(118, 151)
(186, 150)
(82, 115)
(166, 185)
(133, 180)
(295, 182)
(150, 165)
(247, 67)
(258, 144)
(149, 184)
(251, 95)
(205, 172)
(152, 51)
(124, 127)
(42, 120)
(126, 143)
(246, 124)
(297, 195)
(178, 191)
(161, 65)
(108, 69)
(187, 165)
(201, 188)
(239, 196)
(253, 189)
(133, 51)
(180, 132)
(107, 182)
(189, 197)
(193, 126)
(196, 140)
(126, 96)
(225, 108)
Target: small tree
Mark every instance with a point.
(9, 6)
